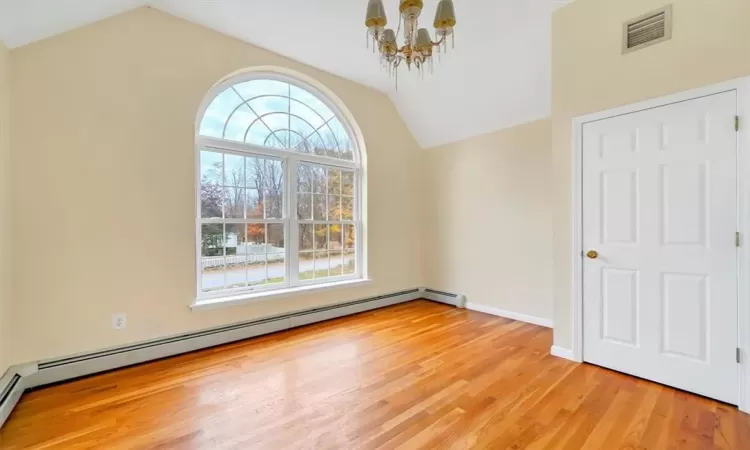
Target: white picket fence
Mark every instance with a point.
(246, 254)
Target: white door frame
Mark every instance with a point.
(742, 86)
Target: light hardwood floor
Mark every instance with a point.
(417, 375)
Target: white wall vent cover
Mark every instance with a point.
(648, 29)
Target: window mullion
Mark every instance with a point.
(292, 229)
(358, 213)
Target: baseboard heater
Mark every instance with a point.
(448, 298)
(12, 389)
(74, 367)
(22, 377)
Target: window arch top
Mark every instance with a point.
(273, 113)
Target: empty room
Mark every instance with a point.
(365, 224)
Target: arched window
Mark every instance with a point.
(279, 189)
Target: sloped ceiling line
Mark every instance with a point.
(498, 75)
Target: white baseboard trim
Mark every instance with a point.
(22, 377)
(561, 352)
(509, 314)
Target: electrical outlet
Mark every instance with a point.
(119, 321)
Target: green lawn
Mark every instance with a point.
(309, 275)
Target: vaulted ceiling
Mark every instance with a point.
(498, 75)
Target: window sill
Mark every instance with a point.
(223, 302)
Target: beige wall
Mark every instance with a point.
(103, 207)
(486, 219)
(103, 138)
(5, 200)
(711, 43)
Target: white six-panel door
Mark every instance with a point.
(660, 210)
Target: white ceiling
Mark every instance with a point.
(497, 76)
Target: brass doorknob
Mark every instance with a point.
(592, 254)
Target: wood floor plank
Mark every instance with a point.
(415, 375)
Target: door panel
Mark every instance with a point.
(659, 207)
(685, 315)
(620, 305)
(620, 207)
(684, 198)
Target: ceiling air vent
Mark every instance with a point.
(649, 29)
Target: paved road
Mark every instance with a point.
(256, 273)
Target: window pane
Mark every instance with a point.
(234, 203)
(275, 253)
(347, 154)
(276, 268)
(340, 134)
(275, 238)
(256, 237)
(308, 115)
(211, 167)
(257, 134)
(321, 237)
(254, 205)
(335, 237)
(321, 265)
(256, 269)
(273, 181)
(349, 237)
(234, 244)
(306, 237)
(350, 262)
(300, 127)
(218, 112)
(212, 257)
(297, 141)
(334, 207)
(254, 88)
(238, 122)
(254, 172)
(304, 178)
(306, 266)
(277, 139)
(211, 191)
(269, 103)
(319, 207)
(334, 181)
(319, 179)
(336, 264)
(256, 253)
(347, 208)
(234, 170)
(347, 183)
(304, 206)
(311, 101)
(330, 141)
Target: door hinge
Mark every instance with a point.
(736, 123)
(738, 355)
(737, 239)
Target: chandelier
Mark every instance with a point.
(418, 45)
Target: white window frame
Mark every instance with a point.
(290, 161)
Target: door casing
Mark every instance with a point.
(742, 87)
